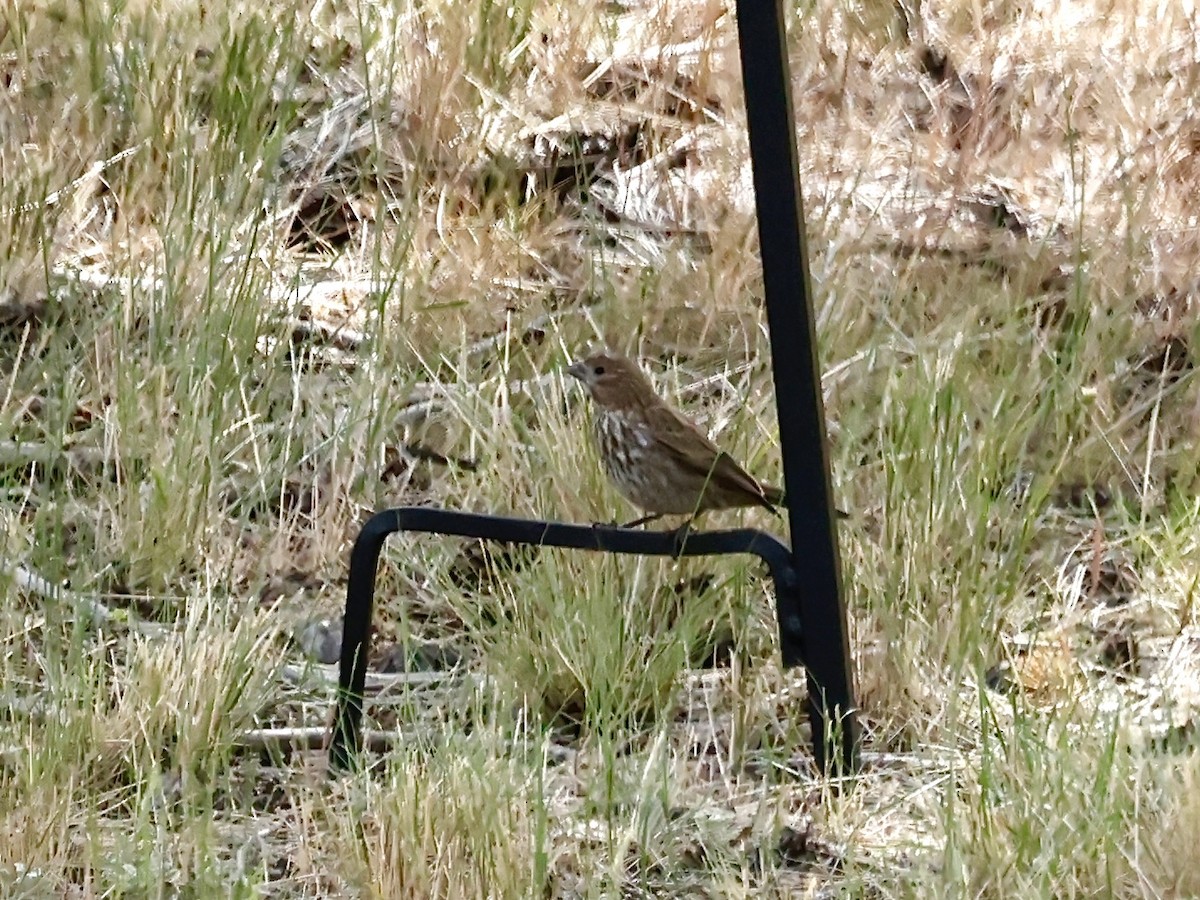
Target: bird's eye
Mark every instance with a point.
(599, 370)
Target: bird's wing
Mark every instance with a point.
(692, 449)
(681, 438)
(727, 468)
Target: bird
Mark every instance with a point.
(654, 456)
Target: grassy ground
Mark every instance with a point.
(266, 268)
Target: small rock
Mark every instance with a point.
(321, 640)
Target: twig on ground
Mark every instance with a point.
(376, 682)
(297, 740)
(18, 452)
(88, 608)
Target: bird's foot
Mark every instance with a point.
(679, 538)
(644, 520)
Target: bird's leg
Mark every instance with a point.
(644, 520)
(679, 537)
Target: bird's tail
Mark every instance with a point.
(773, 497)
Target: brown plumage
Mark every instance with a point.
(655, 457)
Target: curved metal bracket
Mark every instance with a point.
(346, 737)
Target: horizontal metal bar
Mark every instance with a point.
(599, 537)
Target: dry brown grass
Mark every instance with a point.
(256, 261)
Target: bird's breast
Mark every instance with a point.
(622, 435)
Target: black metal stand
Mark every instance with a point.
(823, 643)
(798, 395)
(364, 563)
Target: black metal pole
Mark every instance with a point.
(826, 645)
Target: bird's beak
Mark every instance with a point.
(577, 370)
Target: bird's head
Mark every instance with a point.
(612, 381)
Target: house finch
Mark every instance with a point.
(655, 457)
